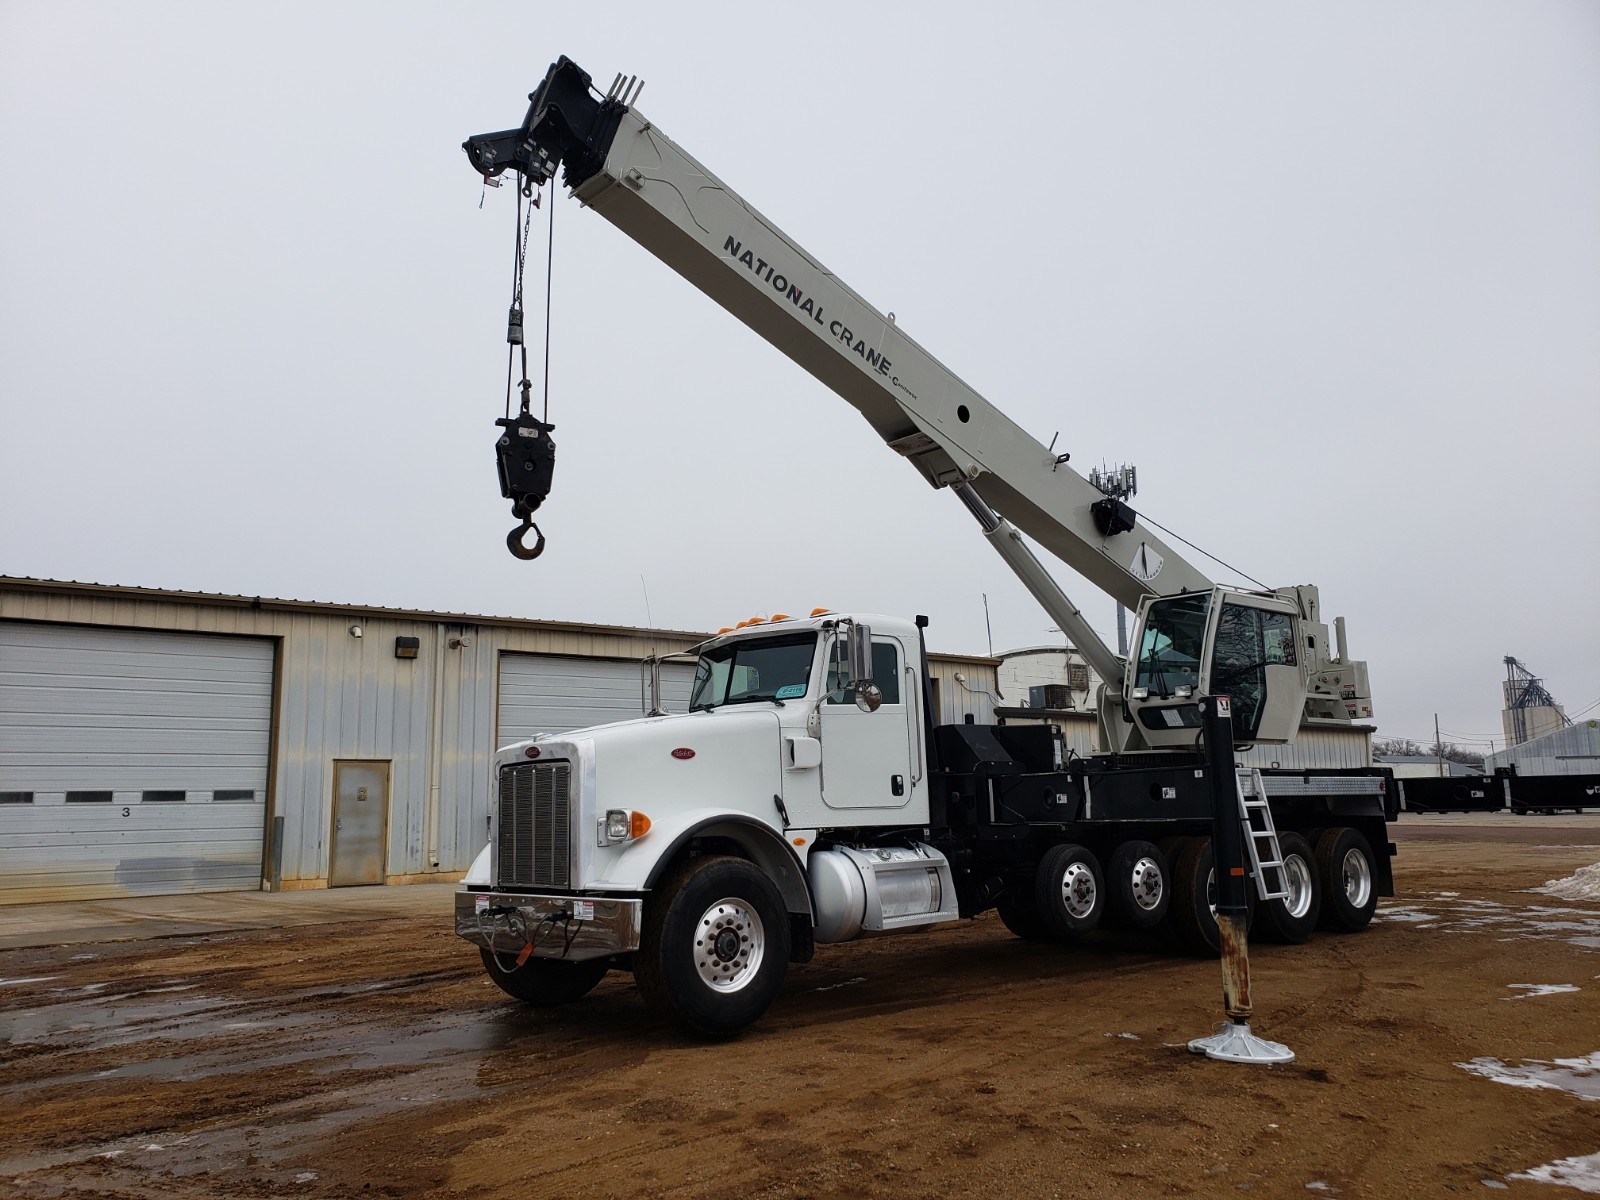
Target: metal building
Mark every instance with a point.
(154, 742)
(1574, 750)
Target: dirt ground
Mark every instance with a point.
(375, 1059)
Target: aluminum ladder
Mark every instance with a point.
(1255, 814)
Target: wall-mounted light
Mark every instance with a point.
(406, 647)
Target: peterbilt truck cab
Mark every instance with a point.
(802, 740)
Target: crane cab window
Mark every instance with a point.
(1248, 641)
(1173, 645)
(885, 673)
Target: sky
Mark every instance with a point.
(1328, 275)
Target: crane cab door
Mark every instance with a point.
(1217, 643)
(1254, 660)
(870, 759)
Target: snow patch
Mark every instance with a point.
(1582, 884)
(1530, 990)
(1578, 1076)
(1582, 1173)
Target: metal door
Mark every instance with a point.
(360, 822)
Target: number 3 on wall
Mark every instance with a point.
(127, 812)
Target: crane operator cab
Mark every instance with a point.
(1216, 643)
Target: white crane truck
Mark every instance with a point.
(810, 793)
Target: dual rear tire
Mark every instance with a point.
(1071, 894)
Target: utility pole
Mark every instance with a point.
(1121, 482)
(1438, 745)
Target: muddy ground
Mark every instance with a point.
(375, 1059)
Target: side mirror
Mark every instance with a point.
(859, 648)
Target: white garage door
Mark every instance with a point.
(542, 693)
(131, 762)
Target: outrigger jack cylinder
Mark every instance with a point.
(527, 462)
(1233, 1042)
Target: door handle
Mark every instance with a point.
(897, 785)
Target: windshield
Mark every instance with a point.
(739, 672)
(1170, 651)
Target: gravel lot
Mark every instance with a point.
(371, 1057)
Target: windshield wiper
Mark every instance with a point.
(750, 699)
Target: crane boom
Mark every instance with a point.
(619, 164)
(629, 172)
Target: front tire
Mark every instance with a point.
(1292, 919)
(545, 982)
(715, 946)
(1349, 880)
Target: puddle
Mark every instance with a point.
(1447, 912)
(27, 979)
(1530, 990)
(1577, 1076)
(828, 987)
(1582, 1173)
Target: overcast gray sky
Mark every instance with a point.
(1329, 275)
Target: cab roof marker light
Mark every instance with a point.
(725, 629)
(817, 612)
(780, 616)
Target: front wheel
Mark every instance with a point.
(1293, 918)
(1349, 880)
(545, 982)
(715, 946)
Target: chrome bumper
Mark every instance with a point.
(570, 927)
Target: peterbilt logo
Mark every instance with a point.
(683, 752)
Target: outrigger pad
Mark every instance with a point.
(527, 461)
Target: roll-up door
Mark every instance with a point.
(132, 762)
(542, 693)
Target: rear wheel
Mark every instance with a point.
(1020, 914)
(1349, 880)
(543, 981)
(1070, 891)
(1293, 918)
(1192, 918)
(1138, 879)
(715, 946)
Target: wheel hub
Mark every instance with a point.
(1357, 878)
(1147, 884)
(729, 944)
(1077, 890)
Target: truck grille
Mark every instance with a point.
(534, 839)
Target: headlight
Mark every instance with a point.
(622, 825)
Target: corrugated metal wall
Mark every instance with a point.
(957, 700)
(343, 697)
(1571, 751)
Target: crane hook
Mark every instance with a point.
(514, 540)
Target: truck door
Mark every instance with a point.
(870, 759)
